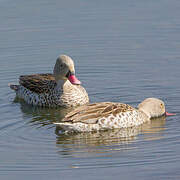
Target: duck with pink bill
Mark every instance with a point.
(62, 88)
(111, 115)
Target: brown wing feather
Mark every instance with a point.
(38, 83)
(92, 112)
(84, 110)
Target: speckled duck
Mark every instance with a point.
(61, 88)
(108, 115)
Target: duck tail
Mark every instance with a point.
(13, 87)
(67, 127)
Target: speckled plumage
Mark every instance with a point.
(102, 116)
(41, 91)
(108, 115)
(52, 90)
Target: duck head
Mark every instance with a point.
(64, 70)
(153, 107)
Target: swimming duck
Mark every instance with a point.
(109, 115)
(61, 88)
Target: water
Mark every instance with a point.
(124, 51)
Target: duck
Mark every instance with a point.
(111, 115)
(61, 88)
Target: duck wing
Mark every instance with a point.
(38, 83)
(91, 113)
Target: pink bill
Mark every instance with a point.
(74, 80)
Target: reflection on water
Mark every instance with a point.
(108, 141)
(41, 116)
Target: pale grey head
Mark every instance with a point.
(64, 70)
(152, 107)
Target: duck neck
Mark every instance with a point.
(146, 112)
(146, 116)
(60, 84)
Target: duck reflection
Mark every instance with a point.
(105, 141)
(41, 116)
